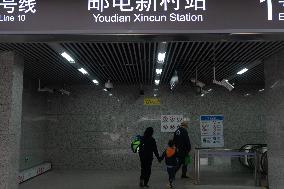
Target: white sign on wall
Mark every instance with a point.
(211, 128)
(170, 123)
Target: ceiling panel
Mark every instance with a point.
(135, 62)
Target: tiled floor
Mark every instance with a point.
(129, 180)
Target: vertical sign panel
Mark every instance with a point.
(170, 123)
(211, 128)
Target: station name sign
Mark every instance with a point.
(147, 10)
(140, 16)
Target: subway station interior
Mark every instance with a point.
(84, 129)
(73, 102)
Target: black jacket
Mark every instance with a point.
(147, 148)
(171, 159)
(182, 142)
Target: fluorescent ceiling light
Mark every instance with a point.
(95, 81)
(68, 57)
(209, 90)
(110, 94)
(242, 71)
(159, 71)
(105, 90)
(260, 90)
(245, 33)
(202, 95)
(157, 82)
(83, 71)
(161, 57)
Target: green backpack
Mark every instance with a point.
(136, 144)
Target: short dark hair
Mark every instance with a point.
(171, 143)
(149, 132)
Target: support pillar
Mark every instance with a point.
(274, 81)
(11, 87)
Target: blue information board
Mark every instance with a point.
(211, 129)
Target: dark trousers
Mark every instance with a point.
(181, 162)
(171, 173)
(146, 165)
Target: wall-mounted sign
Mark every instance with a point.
(170, 123)
(211, 128)
(140, 16)
(152, 102)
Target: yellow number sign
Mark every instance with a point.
(152, 102)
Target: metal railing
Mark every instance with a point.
(207, 152)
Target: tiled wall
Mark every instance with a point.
(274, 69)
(90, 130)
(33, 126)
(11, 87)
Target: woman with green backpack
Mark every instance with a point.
(147, 148)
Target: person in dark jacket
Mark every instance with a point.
(147, 148)
(182, 142)
(170, 155)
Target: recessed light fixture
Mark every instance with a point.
(96, 82)
(242, 71)
(247, 94)
(161, 57)
(155, 95)
(202, 95)
(209, 90)
(105, 90)
(261, 90)
(157, 82)
(159, 71)
(68, 57)
(110, 94)
(83, 71)
(245, 33)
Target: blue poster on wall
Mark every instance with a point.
(211, 129)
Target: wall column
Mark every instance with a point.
(274, 81)
(11, 87)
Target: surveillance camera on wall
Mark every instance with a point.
(224, 83)
(108, 85)
(174, 81)
(63, 91)
(198, 83)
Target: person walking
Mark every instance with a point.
(170, 156)
(182, 142)
(147, 148)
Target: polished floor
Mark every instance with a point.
(129, 180)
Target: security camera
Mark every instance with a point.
(108, 85)
(224, 83)
(174, 82)
(63, 91)
(198, 83)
